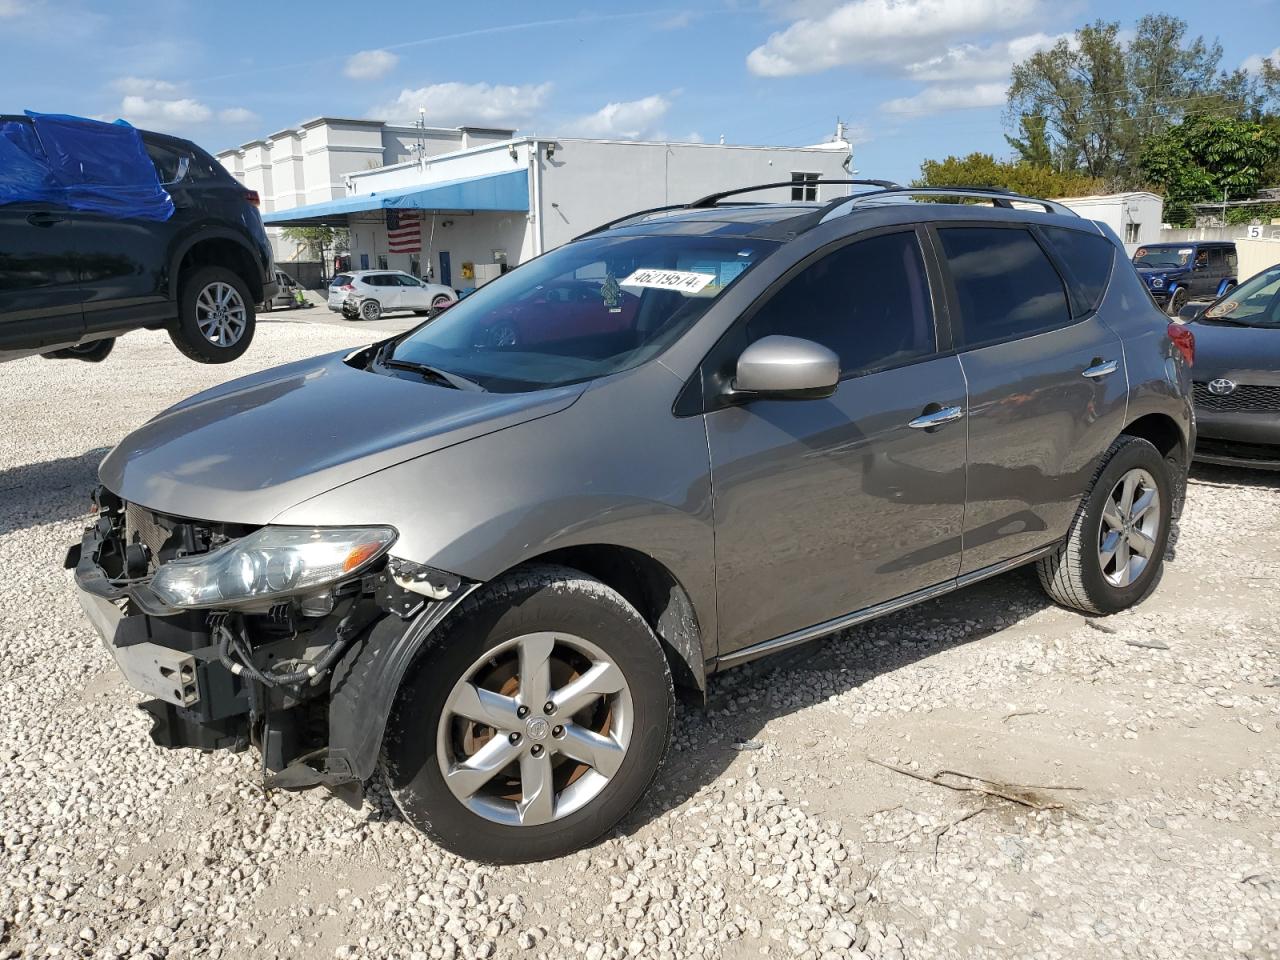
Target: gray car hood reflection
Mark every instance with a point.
(249, 449)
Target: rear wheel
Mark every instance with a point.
(370, 310)
(1116, 545)
(440, 301)
(216, 318)
(533, 722)
(93, 352)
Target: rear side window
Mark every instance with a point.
(1088, 258)
(1006, 285)
(340, 280)
(868, 301)
(171, 165)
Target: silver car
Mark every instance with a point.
(368, 294)
(482, 556)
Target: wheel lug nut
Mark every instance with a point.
(522, 712)
(536, 750)
(548, 707)
(514, 738)
(557, 731)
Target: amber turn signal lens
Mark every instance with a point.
(359, 556)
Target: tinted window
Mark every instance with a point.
(1088, 257)
(868, 301)
(171, 165)
(340, 280)
(1006, 286)
(406, 281)
(380, 280)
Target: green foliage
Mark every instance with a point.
(1102, 97)
(1262, 212)
(1033, 146)
(984, 170)
(1206, 157)
(317, 240)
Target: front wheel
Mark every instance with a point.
(1177, 301)
(216, 319)
(1113, 552)
(533, 721)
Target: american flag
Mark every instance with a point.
(404, 231)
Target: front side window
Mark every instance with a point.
(583, 311)
(406, 281)
(868, 302)
(1006, 286)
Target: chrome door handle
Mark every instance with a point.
(1100, 368)
(937, 418)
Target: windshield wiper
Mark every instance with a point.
(434, 373)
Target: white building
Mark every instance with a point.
(309, 163)
(1135, 217)
(481, 207)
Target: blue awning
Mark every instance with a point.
(496, 191)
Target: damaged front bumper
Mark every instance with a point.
(323, 727)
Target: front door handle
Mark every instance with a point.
(44, 219)
(936, 418)
(1100, 368)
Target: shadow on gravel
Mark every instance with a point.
(746, 699)
(1212, 474)
(40, 493)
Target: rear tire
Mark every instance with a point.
(493, 643)
(93, 352)
(216, 319)
(1114, 550)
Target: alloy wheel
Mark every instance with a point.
(221, 314)
(535, 729)
(1130, 528)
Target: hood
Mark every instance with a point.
(249, 449)
(1242, 354)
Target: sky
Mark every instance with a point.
(914, 79)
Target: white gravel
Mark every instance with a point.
(769, 832)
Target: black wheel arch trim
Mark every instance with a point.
(203, 234)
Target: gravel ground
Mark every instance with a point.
(769, 832)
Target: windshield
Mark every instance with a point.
(1255, 303)
(1162, 257)
(588, 309)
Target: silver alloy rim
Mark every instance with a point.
(440, 301)
(535, 729)
(221, 314)
(371, 310)
(1130, 528)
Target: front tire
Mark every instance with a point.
(216, 319)
(535, 719)
(1114, 550)
(1177, 301)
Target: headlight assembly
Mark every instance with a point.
(271, 562)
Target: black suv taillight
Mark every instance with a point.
(252, 197)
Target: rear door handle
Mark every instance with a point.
(1100, 368)
(44, 219)
(936, 418)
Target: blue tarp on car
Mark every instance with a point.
(80, 164)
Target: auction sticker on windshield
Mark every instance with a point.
(683, 281)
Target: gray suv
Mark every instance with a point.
(482, 556)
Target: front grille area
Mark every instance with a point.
(140, 526)
(1246, 398)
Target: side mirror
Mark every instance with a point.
(786, 368)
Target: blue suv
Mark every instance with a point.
(1193, 270)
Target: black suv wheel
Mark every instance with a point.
(216, 319)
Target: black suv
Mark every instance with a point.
(72, 280)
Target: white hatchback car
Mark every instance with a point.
(368, 294)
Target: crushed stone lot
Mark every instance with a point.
(770, 831)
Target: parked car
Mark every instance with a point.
(286, 295)
(1237, 377)
(368, 294)
(73, 279)
(1176, 273)
(504, 557)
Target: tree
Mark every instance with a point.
(1102, 97)
(1033, 146)
(1207, 158)
(984, 170)
(317, 240)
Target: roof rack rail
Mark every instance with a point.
(997, 196)
(711, 199)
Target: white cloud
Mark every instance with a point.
(937, 99)
(677, 21)
(882, 32)
(1253, 64)
(237, 115)
(370, 64)
(475, 104)
(969, 61)
(144, 86)
(12, 8)
(163, 114)
(628, 120)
